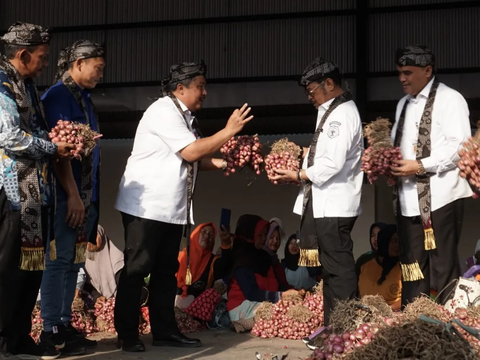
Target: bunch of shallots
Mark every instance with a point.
(104, 313)
(290, 319)
(75, 133)
(380, 154)
(186, 324)
(144, 327)
(284, 155)
(37, 324)
(241, 151)
(469, 163)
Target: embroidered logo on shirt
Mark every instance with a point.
(395, 289)
(334, 129)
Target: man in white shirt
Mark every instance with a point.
(155, 201)
(329, 199)
(432, 121)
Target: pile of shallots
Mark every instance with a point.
(350, 343)
(283, 155)
(104, 313)
(469, 163)
(289, 318)
(241, 151)
(380, 154)
(75, 133)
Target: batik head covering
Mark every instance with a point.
(25, 34)
(415, 55)
(80, 49)
(181, 72)
(317, 71)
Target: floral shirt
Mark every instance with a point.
(14, 142)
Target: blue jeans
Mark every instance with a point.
(60, 275)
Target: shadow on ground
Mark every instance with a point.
(217, 345)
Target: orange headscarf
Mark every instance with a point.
(199, 258)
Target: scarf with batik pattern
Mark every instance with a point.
(86, 184)
(178, 73)
(34, 176)
(419, 56)
(410, 268)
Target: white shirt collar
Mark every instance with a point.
(327, 104)
(187, 112)
(425, 91)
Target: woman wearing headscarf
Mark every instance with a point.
(382, 275)
(373, 234)
(253, 278)
(299, 277)
(203, 267)
(281, 228)
(103, 264)
(274, 239)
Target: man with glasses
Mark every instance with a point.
(329, 199)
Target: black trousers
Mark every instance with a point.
(151, 247)
(336, 257)
(443, 261)
(18, 289)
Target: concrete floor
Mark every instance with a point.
(217, 345)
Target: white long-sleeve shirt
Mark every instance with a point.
(336, 176)
(450, 128)
(154, 184)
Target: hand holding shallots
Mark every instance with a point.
(469, 163)
(81, 137)
(282, 164)
(241, 151)
(380, 156)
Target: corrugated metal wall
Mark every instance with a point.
(56, 13)
(240, 49)
(453, 35)
(386, 3)
(52, 12)
(245, 49)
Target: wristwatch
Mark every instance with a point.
(299, 176)
(421, 169)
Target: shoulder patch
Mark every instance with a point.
(333, 130)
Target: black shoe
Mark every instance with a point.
(177, 340)
(38, 352)
(50, 343)
(131, 345)
(73, 334)
(8, 356)
(55, 338)
(73, 349)
(47, 348)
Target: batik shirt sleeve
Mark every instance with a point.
(13, 140)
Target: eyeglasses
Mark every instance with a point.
(311, 92)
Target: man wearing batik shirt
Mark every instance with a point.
(432, 121)
(155, 198)
(25, 186)
(331, 179)
(80, 68)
